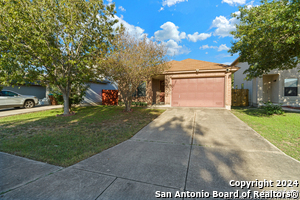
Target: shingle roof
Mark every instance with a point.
(192, 64)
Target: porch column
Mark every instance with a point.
(228, 91)
(168, 89)
(149, 92)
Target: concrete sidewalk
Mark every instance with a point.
(12, 111)
(195, 150)
(290, 109)
(17, 171)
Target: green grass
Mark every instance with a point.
(65, 141)
(281, 130)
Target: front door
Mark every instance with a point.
(267, 89)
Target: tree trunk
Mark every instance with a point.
(127, 106)
(66, 104)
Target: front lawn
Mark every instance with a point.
(281, 130)
(65, 141)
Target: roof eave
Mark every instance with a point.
(235, 62)
(201, 71)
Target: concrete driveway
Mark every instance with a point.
(183, 150)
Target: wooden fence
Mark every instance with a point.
(109, 97)
(240, 97)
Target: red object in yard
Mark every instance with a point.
(52, 100)
(109, 97)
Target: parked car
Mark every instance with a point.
(12, 99)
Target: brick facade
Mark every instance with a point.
(168, 85)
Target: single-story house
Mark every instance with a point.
(93, 94)
(30, 89)
(192, 83)
(278, 86)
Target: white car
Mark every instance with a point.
(12, 99)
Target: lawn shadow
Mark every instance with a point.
(64, 141)
(257, 112)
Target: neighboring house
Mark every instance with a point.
(32, 89)
(278, 86)
(93, 94)
(192, 83)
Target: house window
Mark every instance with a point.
(141, 90)
(290, 87)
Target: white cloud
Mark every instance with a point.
(131, 29)
(215, 41)
(234, 2)
(175, 49)
(223, 47)
(196, 36)
(208, 47)
(223, 55)
(122, 9)
(170, 31)
(109, 2)
(206, 52)
(204, 47)
(172, 2)
(227, 63)
(224, 26)
(162, 8)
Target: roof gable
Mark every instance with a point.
(192, 65)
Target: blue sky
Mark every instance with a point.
(197, 29)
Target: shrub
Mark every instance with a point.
(76, 95)
(121, 103)
(271, 109)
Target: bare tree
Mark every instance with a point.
(135, 60)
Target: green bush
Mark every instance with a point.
(121, 103)
(76, 94)
(59, 98)
(271, 109)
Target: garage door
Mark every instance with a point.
(198, 92)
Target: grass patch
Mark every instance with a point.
(65, 141)
(281, 130)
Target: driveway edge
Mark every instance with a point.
(26, 111)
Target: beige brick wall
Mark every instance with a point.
(168, 89)
(228, 92)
